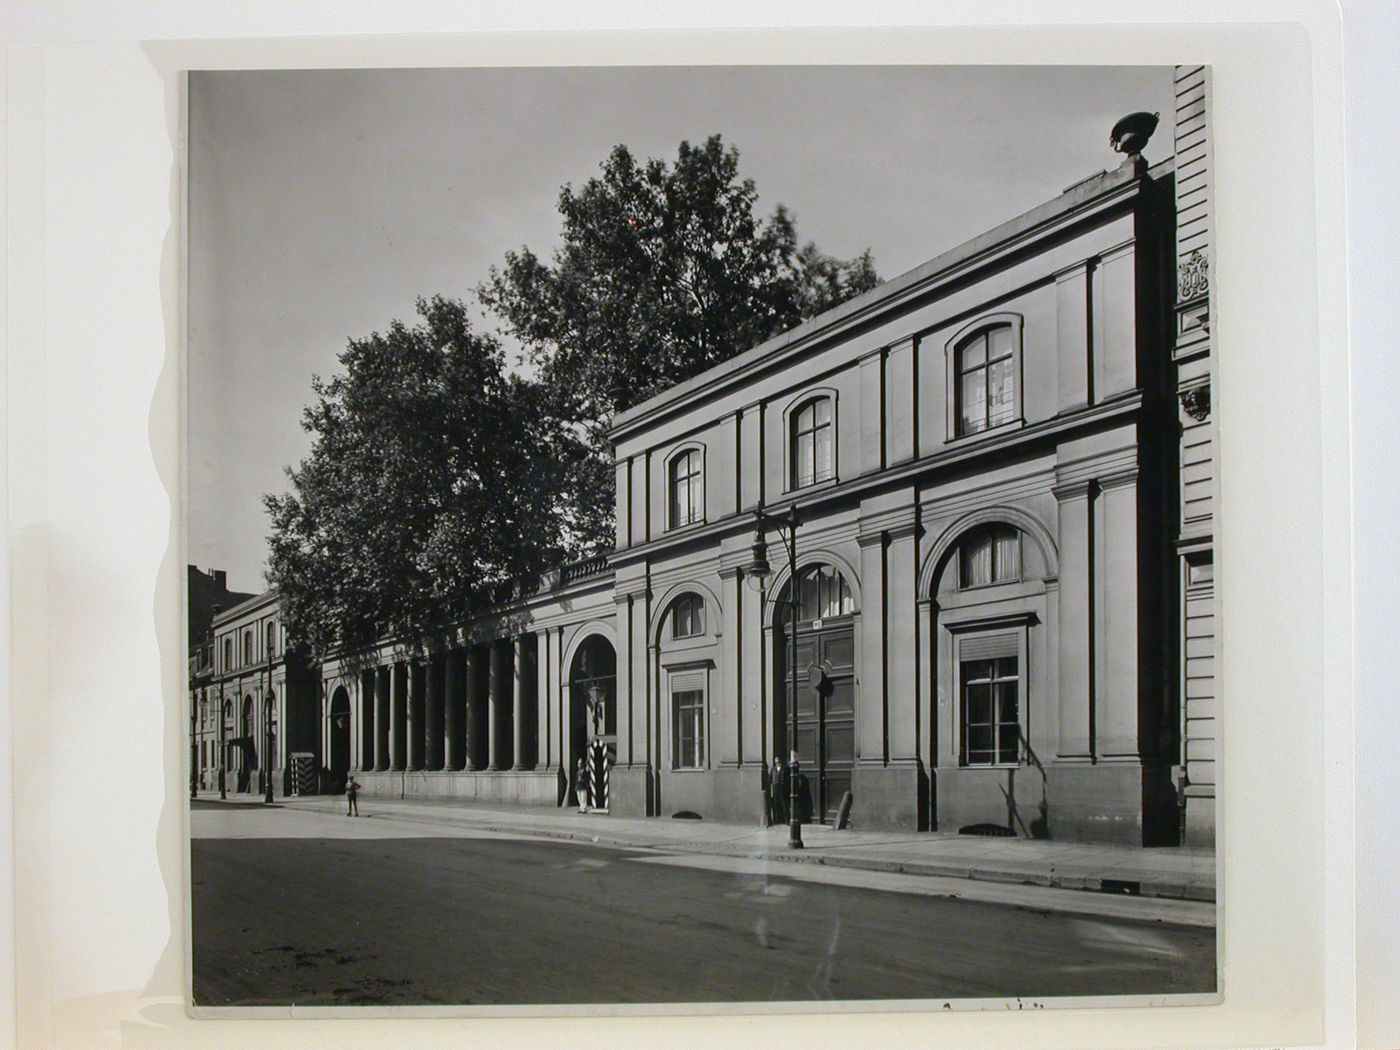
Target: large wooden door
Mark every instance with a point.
(826, 689)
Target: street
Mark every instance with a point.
(313, 908)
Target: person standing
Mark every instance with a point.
(352, 797)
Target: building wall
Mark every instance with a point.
(1193, 355)
(1075, 473)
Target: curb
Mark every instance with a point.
(1161, 888)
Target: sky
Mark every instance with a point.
(322, 203)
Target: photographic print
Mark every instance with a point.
(682, 535)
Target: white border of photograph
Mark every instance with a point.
(94, 329)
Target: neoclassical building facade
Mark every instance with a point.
(1001, 469)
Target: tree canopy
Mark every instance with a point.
(435, 476)
(662, 272)
(432, 480)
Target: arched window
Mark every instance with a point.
(822, 593)
(990, 555)
(688, 616)
(687, 487)
(813, 457)
(271, 639)
(228, 654)
(986, 379)
(247, 647)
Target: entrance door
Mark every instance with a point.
(826, 689)
(340, 741)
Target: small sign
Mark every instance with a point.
(816, 625)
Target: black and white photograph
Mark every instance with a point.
(666, 536)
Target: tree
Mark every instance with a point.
(430, 483)
(662, 272)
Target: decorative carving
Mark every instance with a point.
(1194, 279)
(1196, 401)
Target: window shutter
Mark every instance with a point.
(990, 646)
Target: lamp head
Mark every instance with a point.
(1130, 134)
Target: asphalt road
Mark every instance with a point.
(407, 919)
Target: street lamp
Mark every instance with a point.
(758, 569)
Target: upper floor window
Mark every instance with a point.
(990, 555)
(687, 488)
(985, 378)
(247, 647)
(688, 616)
(228, 654)
(813, 458)
(271, 640)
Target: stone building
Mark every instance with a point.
(252, 703)
(1002, 470)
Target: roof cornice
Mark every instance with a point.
(1104, 191)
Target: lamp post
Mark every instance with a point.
(759, 569)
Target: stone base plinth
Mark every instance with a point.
(533, 786)
(889, 797)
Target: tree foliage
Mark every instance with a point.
(432, 480)
(663, 271)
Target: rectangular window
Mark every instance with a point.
(688, 707)
(991, 709)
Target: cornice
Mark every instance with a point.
(1096, 195)
(925, 468)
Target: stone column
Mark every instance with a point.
(454, 715)
(757, 732)
(872, 730)
(417, 735)
(517, 714)
(1117, 700)
(729, 726)
(381, 718)
(472, 701)
(1116, 320)
(902, 643)
(628, 744)
(872, 403)
(433, 714)
(1076, 618)
(495, 690)
(398, 716)
(901, 403)
(1075, 374)
(546, 747)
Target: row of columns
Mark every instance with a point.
(465, 710)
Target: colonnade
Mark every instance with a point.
(476, 708)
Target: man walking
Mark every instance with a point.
(352, 796)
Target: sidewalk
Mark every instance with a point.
(1179, 873)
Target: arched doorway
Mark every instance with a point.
(825, 683)
(339, 765)
(247, 755)
(592, 697)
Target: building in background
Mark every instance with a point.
(1002, 466)
(253, 704)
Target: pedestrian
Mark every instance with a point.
(352, 797)
(777, 792)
